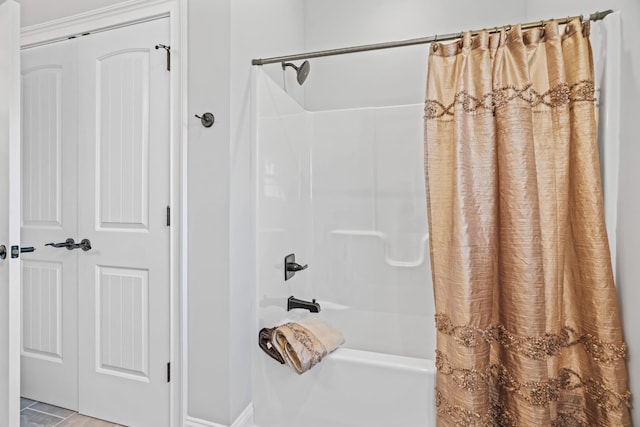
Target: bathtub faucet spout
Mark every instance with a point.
(293, 303)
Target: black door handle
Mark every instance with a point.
(85, 245)
(66, 244)
(27, 249)
(71, 244)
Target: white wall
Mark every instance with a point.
(38, 11)
(386, 77)
(208, 211)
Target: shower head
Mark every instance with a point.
(302, 71)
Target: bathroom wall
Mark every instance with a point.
(38, 11)
(208, 212)
(392, 76)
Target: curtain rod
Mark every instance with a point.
(410, 42)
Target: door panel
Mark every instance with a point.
(42, 310)
(123, 195)
(122, 126)
(42, 108)
(49, 214)
(122, 310)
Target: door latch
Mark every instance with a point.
(15, 251)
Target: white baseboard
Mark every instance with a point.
(197, 422)
(245, 419)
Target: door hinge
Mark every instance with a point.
(168, 216)
(169, 372)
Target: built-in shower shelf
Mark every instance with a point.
(383, 237)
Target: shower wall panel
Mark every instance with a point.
(344, 191)
(370, 227)
(284, 196)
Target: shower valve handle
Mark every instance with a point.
(291, 266)
(294, 266)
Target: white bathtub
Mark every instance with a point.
(349, 388)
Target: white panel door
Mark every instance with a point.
(9, 211)
(123, 196)
(49, 214)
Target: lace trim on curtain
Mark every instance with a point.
(498, 416)
(537, 393)
(559, 95)
(535, 347)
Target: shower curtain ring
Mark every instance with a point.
(435, 43)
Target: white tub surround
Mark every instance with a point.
(344, 191)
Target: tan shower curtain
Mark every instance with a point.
(529, 332)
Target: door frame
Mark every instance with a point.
(10, 136)
(129, 13)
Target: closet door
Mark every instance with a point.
(123, 173)
(9, 210)
(49, 215)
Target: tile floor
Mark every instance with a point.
(38, 414)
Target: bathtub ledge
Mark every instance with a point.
(383, 360)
